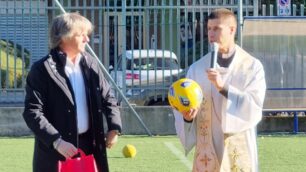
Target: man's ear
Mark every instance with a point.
(233, 30)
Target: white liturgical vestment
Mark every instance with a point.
(224, 130)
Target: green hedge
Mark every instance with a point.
(11, 66)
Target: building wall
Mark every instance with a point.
(159, 120)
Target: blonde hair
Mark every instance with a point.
(66, 25)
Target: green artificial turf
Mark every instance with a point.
(164, 154)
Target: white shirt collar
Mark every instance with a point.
(77, 61)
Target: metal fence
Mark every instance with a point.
(23, 40)
(166, 25)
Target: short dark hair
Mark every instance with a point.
(222, 13)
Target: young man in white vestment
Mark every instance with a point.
(223, 129)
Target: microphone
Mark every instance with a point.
(214, 54)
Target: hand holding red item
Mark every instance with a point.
(83, 163)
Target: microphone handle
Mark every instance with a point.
(213, 60)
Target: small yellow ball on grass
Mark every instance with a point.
(129, 151)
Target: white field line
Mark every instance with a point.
(179, 154)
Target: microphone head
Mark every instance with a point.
(214, 46)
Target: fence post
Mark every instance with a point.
(255, 5)
(295, 123)
(123, 47)
(294, 10)
(264, 9)
(271, 9)
(240, 21)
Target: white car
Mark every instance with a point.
(149, 73)
(146, 68)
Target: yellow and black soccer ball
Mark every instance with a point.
(129, 151)
(185, 94)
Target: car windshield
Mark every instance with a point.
(152, 64)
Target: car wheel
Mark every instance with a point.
(159, 102)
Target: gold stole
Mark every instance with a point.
(236, 156)
(205, 158)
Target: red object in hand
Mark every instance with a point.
(84, 163)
